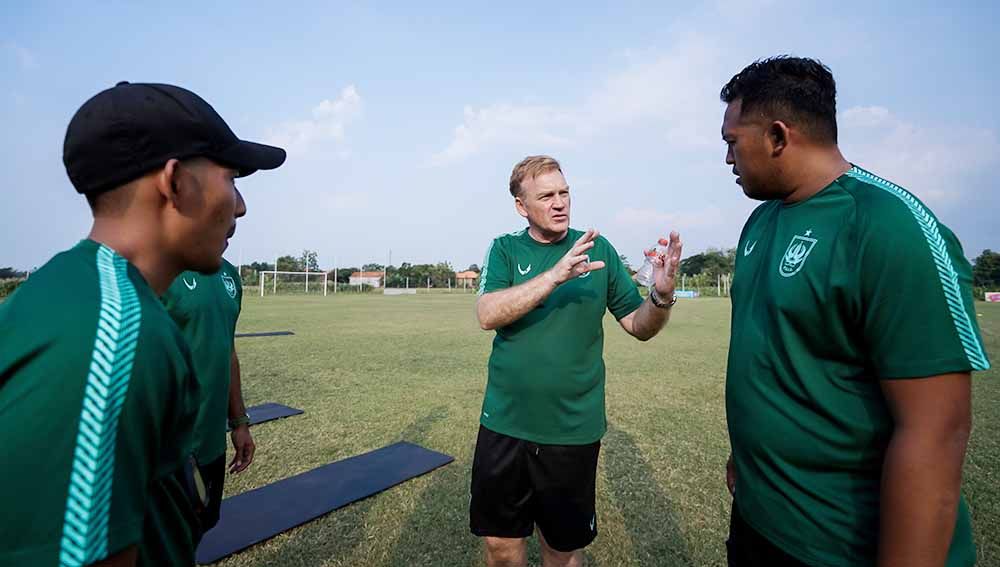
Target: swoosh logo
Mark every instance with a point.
(191, 285)
(523, 270)
(748, 248)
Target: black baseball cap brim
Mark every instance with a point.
(124, 132)
(248, 157)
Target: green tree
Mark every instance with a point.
(289, 264)
(986, 270)
(342, 275)
(259, 266)
(712, 262)
(309, 259)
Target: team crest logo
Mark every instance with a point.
(227, 281)
(796, 254)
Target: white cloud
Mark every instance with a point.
(25, 58)
(328, 123)
(677, 89)
(500, 124)
(930, 161)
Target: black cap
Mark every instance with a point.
(127, 131)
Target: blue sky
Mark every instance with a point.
(403, 120)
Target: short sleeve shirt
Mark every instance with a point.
(546, 370)
(206, 308)
(857, 284)
(96, 406)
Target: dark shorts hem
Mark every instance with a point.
(483, 532)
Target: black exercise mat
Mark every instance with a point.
(269, 411)
(267, 334)
(260, 514)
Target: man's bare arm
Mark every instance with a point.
(922, 471)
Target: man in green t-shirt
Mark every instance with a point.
(853, 342)
(97, 395)
(545, 291)
(205, 308)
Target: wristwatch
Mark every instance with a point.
(658, 301)
(237, 421)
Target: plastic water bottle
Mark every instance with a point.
(645, 274)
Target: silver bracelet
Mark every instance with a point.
(658, 301)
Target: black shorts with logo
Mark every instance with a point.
(517, 484)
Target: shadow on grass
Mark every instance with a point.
(650, 518)
(440, 518)
(337, 535)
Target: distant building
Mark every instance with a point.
(466, 279)
(373, 279)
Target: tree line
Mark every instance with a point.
(707, 266)
(440, 274)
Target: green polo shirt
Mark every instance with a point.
(97, 400)
(206, 308)
(857, 284)
(546, 371)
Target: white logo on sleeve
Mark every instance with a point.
(192, 285)
(748, 248)
(524, 271)
(795, 256)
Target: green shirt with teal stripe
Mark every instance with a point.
(546, 371)
(97, 400)
(206, 308)
(857, 284)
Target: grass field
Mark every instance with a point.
(370, 370)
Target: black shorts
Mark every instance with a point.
(214, 475)
(746, 547)
(517, 484)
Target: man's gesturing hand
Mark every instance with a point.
(576, 262)
(665, 266)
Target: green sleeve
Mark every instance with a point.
(496, 272)
(238, 279)
(623, 296)
(917, 316)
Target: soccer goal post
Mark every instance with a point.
(293, 281)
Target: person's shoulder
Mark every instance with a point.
(510, 236)
(601, 241)
(508, 239)
(66, 283)
(229, 268)
(883, 206)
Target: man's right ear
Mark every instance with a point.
(519, 207)
(167, 180)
